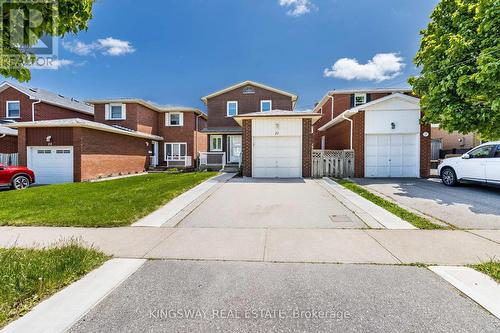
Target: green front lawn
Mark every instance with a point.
(105, 204)
(29, 276)
(491, 268)
(418, 221)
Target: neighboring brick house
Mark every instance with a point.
(382, 126)
(179, 128)
(444, 142)
(19, 104)
(254, 125)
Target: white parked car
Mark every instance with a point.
(481, 165)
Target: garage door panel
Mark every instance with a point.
(393, 155)
(51, 165)
(277, 157)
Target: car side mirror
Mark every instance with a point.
(465, 156)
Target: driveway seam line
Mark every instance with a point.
(481, 236)
(145, 256)
(376, 240)
(265, 244)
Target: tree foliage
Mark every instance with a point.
(38, 18)
(459, 57)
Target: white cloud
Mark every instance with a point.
(58, 63)
(381, 67)
(108, 46)
(115, 47)
(297, 7)
(48, 63)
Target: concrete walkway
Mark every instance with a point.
(171, 213)
(444, 247)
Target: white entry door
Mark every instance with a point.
(154, 154)
(277, 157)
(51, 165)
(234, 148)
(392, 155)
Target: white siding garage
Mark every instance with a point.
(51, 165)
(392, 139)
(277, 148)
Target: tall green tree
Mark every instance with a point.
(459, 58)
(25, 22)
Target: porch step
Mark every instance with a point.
(231, 168)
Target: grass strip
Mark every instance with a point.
(416, 220)
(491, 268)
(28, 276)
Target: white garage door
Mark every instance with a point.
(52, 165)
(277, 157)
(392, 155)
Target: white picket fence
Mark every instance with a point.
(9, 159)
(333, 163)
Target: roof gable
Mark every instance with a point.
(250, 83)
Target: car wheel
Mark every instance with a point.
(20, 183)
(449, 177)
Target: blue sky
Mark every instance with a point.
(176, 51)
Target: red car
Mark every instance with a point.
(18, 178)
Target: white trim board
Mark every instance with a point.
(478, 286)
(65, 308)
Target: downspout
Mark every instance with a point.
(196, 140)
(333, 100)
(33, 109)
(350, 120)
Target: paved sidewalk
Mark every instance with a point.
(442, 247)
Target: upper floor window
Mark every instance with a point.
(175, 119)
(359, 99)
(232, 108)
(116, 112)
(266, 106)
(13, 109)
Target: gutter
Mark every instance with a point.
(33, 109)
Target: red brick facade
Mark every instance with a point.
(247, 148)
(92, 159)
(43, 111)
(425, 151)
(307, 147)
(358, 143)
(8, 144)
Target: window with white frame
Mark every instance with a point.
(359, 99)
(232, 108)
(116, 112)
(216, 143)
(175, 119)
(175, 150)
(266, 106)
(13, 109)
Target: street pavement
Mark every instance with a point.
(210, 296)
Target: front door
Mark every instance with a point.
(154, 154)
(234, 148)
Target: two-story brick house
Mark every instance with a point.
(178, 126)
(116, 136)
(20, 104)
(383, 128)
(254, 125)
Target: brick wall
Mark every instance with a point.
(185, 133)
(358, 142)
(120, 155)
(425, 151)
(247, 148)
(8, 144)
(247, 103)
(307, 146)
(43, 111)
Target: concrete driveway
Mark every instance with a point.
(193, 296)
(258, 203)
(465, 206)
